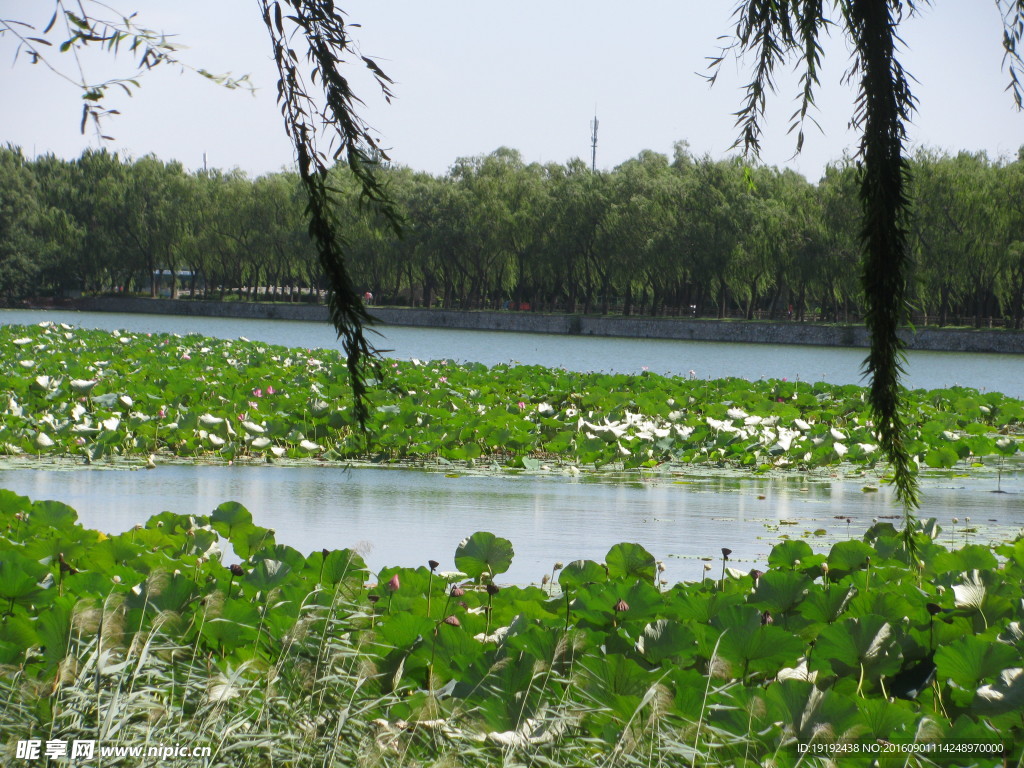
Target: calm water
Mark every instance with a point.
(930, 370)
(406, 517)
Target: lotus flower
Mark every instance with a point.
(394, 584)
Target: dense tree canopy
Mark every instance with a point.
(680, 236)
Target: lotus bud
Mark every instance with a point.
(458, 591)
(394, 584)
(545, 579)
(559, 566)
(452, 621)
(493, 589)
(707, 567)
(622, 606)
(116, 579)
(661, 567)
(766, 618)
(177, 573)
(433, 564)
(956, 520)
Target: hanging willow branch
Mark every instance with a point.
(326, 130)
(777, 31)
(884, 106)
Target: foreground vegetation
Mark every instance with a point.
(685, 235)
(95, 395)
(272, 657)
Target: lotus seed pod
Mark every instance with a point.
(452, 621)
(622, 606)
(493, 589)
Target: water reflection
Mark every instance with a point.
(405, 517)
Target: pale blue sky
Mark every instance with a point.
(472, 76)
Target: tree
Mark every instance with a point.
(775, 31)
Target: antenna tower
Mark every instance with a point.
(593, 144)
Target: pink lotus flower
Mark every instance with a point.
(258, 392)
(186, 356)
(443, 379)
(253, 404)
(161, 413)
(270, 390)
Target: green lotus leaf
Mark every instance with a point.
(228, 517)
(267, 574)
(866, 644)
(971, 660)
(666, 639)
(580, 572)
(627, 560)
(482, 553)
(19, 577)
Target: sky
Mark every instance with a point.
(472, 76)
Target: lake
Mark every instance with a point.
(406, 517)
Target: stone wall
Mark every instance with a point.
(938, 339)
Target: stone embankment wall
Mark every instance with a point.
(937, 339)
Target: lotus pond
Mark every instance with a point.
(205, 629)
(98, 395)
(892, 649)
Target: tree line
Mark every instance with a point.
(679, 236)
